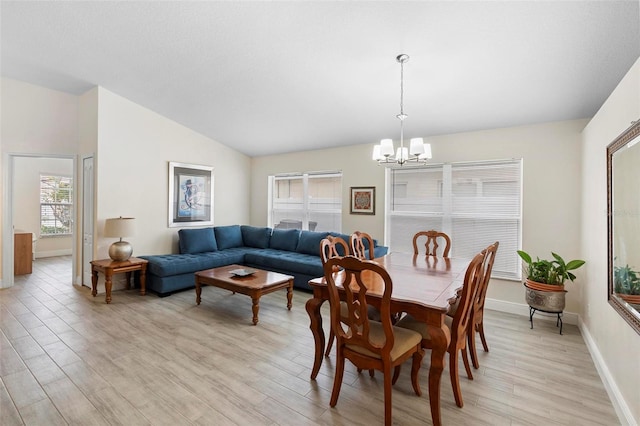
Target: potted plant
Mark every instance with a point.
(544, 286)
(549, 275)
(626, 283)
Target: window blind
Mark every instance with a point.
(475, 203)
(311, 201)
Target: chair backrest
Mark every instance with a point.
(357, 277)
(358, 249)
(472, 279)
(487, 267)
(329, 248)
(431, 245)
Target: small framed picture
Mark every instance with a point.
(190, 195)
(363, 200)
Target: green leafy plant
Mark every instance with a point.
(553, 272)
(626, 280)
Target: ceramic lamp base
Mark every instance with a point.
(120, 251)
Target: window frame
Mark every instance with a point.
(65, 204)
(306, 204)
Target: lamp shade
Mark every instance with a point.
(427, 152)
(377, 156)
(120, 227)
(386, 147)
(416, 147)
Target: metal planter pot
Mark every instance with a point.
(547, 301)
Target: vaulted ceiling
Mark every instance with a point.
(273, 77)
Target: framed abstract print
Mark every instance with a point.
(363, 200)
(190, 195)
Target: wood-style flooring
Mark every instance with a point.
(69, 358)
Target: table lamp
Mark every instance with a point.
(120, 227)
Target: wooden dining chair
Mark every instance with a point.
(431, 245)
(368, 344)
(329, 249)
(358, 248)
(458, 325)
(477, 309)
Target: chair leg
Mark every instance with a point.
(396, 374)
(372, 373)
(387, 394)
(465, 359)
(415, 369)
(332, 337)
(337, 381)
(480, 329)
(471, 344)
(455, 381)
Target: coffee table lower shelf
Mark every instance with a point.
(254, 285)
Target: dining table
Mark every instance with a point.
(423, 286)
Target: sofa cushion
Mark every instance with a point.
(290, 261)
(165, 265)
(228, 236)
(284, 239)
(193, 241)
(309, 242)
(253, 236)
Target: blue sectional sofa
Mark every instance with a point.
(288, 251)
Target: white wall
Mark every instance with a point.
(26, 207)
(552, 174)
(135, 146)
(617, 343)
(35, 120)
(132, 147)
(38, 120)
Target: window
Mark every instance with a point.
(56, 201)
(311, 201)
(474, 203)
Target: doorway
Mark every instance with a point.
(39, 200)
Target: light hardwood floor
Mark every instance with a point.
(68, 358)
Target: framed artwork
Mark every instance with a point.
(363, 200)
(190, 195)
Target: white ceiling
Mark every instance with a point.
(273, 77)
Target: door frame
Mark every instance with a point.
(7, 213)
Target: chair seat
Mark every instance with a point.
(410, 323)
(404, 339)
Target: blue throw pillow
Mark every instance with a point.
(309, 242)
(193, 241)
(228, 236)
(284, 239)
(255, 237)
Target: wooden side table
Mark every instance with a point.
(109, 267)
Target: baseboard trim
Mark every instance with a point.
(523, 309)
(52, 253)
(617, 400)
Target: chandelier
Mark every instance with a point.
(418, 152)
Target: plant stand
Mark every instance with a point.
(550, 302)
(533, 310)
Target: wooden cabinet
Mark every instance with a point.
(22, 253)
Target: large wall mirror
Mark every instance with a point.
(623, 199)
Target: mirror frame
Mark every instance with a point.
(620, 142)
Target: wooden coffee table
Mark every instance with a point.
(254, 285)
